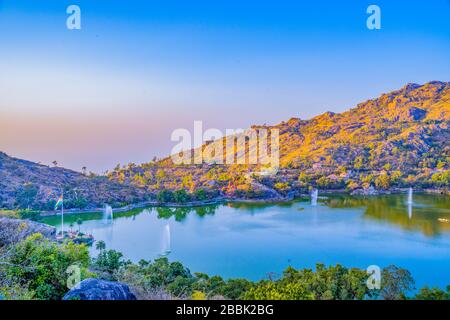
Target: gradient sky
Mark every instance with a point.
(115, 90)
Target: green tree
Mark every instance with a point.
(181, 196)
(165, 196)
(395, 283)
(107, 263)
(26, 196)
(200, 195)
(100, 245)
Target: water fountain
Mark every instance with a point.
(108, 214)
(410, 202)
(410, 196)
(314, 196)
(165, 250)
(409, 211)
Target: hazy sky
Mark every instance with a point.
(116, 89)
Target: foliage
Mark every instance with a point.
(441, 178)
(198, 295)
(427, 293)
(181, 196)
(395, 283)
(41, 265)
(108, 262)
(36, 269)
(165, 196)
(335, 282)
(323, 283)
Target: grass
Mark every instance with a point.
(9, 214)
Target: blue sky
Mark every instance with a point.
(149, 67)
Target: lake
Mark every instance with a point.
(255, 240)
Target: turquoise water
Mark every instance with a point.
(251, 241)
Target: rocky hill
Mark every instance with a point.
(405, 128)
(399, 139)
(396, 140)
(25, 184)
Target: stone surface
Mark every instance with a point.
(15, 230)
(95, 289)
(416, 114)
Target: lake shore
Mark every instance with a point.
(142, 205)
(222, 200)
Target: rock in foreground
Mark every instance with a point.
(95, 289)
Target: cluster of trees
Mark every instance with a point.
(36, 268)
(351, 180)
(162, 279)
(182, 196)
(27, 198)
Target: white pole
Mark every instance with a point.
(62, 216)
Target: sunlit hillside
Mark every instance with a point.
(397, 140)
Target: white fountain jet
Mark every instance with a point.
(410, 202)
(165, 250)
(108, 214)
(314, 196)
(410, 196)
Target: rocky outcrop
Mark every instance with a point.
(95, 289)
(371, 191)
(15, 230)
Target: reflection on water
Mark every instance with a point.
(251, 240)
(395, 209)
(181, 213)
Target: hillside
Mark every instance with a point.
(396, 140)
(400, 139)
(25, 184)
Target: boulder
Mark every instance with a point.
(416, 114)
(95, 289)
(15, 230)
